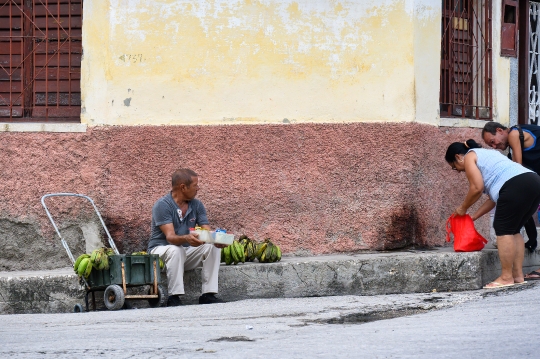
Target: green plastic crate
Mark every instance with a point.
(139, 270)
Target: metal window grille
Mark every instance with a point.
(40, 60)
(534, 55)
(466, 80)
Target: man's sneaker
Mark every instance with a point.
(174, 301)
(210, 298)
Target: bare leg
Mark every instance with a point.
(517, 270)
(507, 255)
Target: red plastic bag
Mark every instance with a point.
(466, 238)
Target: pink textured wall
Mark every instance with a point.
(311, 188)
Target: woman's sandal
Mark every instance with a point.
(495, 285)
(534, 273)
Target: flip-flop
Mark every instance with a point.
(519, 283)
(498, 285)
(537, 274)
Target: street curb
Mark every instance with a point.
(373, 273)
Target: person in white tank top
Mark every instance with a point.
(513, 188)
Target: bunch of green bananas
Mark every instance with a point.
(233, 253)
(83, 266)
(100, 259)
(250, 247)
(246, 249)
(143, 253)
(268, 252)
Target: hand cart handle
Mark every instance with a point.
(64, 243)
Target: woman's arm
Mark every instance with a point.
(485, 208)
(476, 183)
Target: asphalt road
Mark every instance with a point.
(478, 324)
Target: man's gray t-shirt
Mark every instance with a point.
(166, 210)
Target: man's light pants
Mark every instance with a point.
(178, 259)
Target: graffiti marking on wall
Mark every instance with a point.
(132, 58)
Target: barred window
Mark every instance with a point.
(40, 60)
(466, 51)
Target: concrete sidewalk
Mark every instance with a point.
(369, 273)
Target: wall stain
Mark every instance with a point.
(127, 101)
(129, 235)
(405, 229)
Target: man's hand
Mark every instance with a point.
(193, 240)
(173, 238)
(219, 245)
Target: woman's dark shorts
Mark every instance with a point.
(518, 201)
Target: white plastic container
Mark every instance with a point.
(204, 235)
(213, 237)
(223, 238)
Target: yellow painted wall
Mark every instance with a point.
(214, 62)
(427, 60)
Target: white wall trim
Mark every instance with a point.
(42, 127)
(462, 122)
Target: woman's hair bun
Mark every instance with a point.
(470, 143)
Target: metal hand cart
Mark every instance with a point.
(124, 271)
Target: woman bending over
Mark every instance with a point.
(513, 188)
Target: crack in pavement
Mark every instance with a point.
(361, 318)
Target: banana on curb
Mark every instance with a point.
(248, 251)
(241, 253)
(245, 248)
(228, 256)
(272, 254)
(278, 252)
(222, 255)
(254, 251)
(261, 247)
(234, 252)
(268, 252)
(263, 258)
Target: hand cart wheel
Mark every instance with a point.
(161, 300)
(114, 297)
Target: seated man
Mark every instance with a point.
(172, 217)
